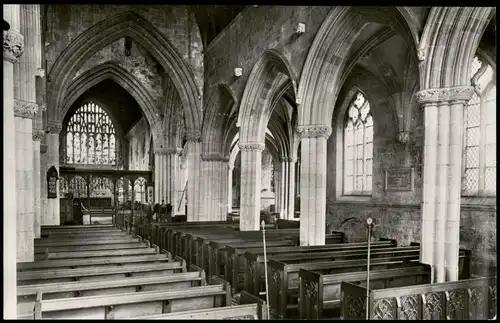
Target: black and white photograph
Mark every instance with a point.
(249, 162)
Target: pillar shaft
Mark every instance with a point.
(286, 182)
(51, 207)
(251, 162)
(194, 180)
(37, 137)
(230, 189)
(13, 46)
(214, 187)
(443, 115)
(277, 188)
(282, 189)
(313, 184)
(291, 188)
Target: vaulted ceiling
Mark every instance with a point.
(212, 19)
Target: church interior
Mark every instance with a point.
(249, 162)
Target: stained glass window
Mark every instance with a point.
(479, 164)
(90, 137)
(358, 147)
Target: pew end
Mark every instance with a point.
(169, 255)
(215, 280)
(247, 298)
(193, 267)
(37, 310)
(157, 249)
(183, 263)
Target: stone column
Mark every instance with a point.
(180, 208)
(51, 207)
(37, 137)
(214, 187)
(313, 183)
(443, 116)
(251, 162)
(277, 188)
(13, 47)
(291, 187)
(285, 185)
(230, 188)
(172, 168)
(194, 180)
(161, 172)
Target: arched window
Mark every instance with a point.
(90, 137)
(479, 163)
(358, 147)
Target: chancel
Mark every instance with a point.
(249, 162)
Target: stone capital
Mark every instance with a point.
(214, 157)
(54, 127)
(403, 137)
(461, 94)
(38, 135)
(193, 136)
(314, 131)
(252, 146)
(25, 109)
(13, 45)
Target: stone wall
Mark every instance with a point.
(139, 145)
(66, 22)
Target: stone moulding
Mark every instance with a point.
(13, 45)
(25, 109)
(252, 146)
(54, 127)
(38, 135)
(314, 131)
(214, 157)
(193, 136)
(168, 151)
(460, 94)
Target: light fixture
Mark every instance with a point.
(300, 28)
(238, 72)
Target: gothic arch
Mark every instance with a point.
(322, 72)
(123, 78)
(218, 116)
(449, 42)
(105, 32)
(268, 76)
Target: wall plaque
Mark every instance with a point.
(150, 190)
(399, 179)
(52, 177)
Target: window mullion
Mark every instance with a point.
(482, 139)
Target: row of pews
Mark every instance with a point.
(103, 272)
(321, 282)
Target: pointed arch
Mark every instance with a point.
(218, 115)
(105, 32)
(448, 44)
(268, 75)
(119, 75)
(321, 75)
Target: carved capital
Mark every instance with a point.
(193, 136)
(25, 109)
(214, 157)
(54, 127)
(252, 146)
(43, 148)
(40, 72)
(461, 94)
(38, 135)
(421, 54)
(314, 131)
(13, 45)
(403, 137)
(168, 151)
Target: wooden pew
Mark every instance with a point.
(215, 258)
(172, 234)
(247, 298)
(46, 276)
(254, 259)
(75, 227)
(26, 294)
(321, 292)
(94, 262)
(82, 234)
(64, 248)
(235, 312)
(234, 255)
(283, 278)
(83, 242)
(469, 299)
(130, 305)
(100, 253)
